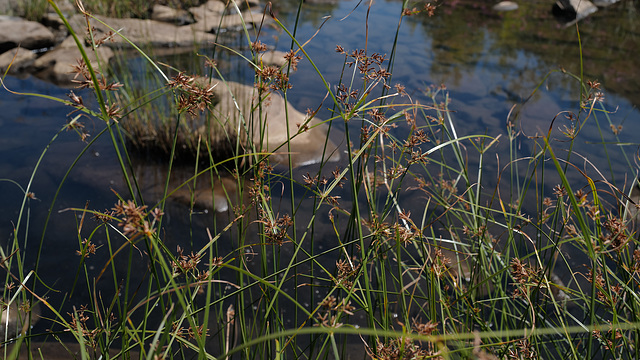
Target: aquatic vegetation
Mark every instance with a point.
(397, 243)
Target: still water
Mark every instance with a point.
(490, 63)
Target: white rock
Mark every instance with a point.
(581, 8)
(505, 6)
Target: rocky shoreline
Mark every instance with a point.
(47, 50)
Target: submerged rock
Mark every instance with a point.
(466, 273)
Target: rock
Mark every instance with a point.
(170, 15)
(227, 22)
(505, 6)
(604, 3)
(632, 206)
(22, 61)
(210, 10)
(68, 7)
(214, 15)
(465, 272)
(14, 321)
(208, 193)
(306, 147)
(143, 32)
(574, 10)
(217, 8)
(274, 58)
(56, 25)
(52, 20)
(23, 33)
(56, 65)
(322, 2)
(247, 4)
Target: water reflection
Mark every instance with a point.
(523, 45)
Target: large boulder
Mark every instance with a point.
(574, 10)
(57, 64)
(214, 15)
(17, 61)
(170, 15)
(269, 126)
(142, 32)
(16, 32)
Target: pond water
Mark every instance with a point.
(489, 62)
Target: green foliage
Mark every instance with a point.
(33, 9)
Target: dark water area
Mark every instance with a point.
(489, 62)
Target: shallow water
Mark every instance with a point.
(488, 61)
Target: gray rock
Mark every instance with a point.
(274, 57)
(52, 20)
(14, 321)
(322, 2)
(604, 3)
(55, 24)
(143, 32)
(68, 7)
(576, 9)
(211, 16)
(212, 9)
(57, 64)
(281, 122)
(21, 61)
(23, 33)
(171, 15)
(214, 15)
(505, 6)
(218, 7)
